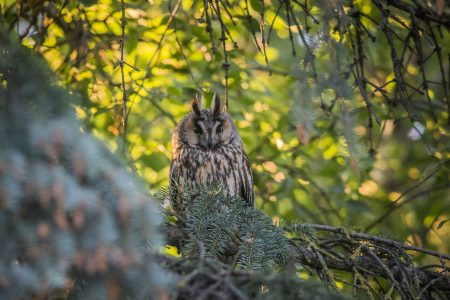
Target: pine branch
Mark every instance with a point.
(365, 263)
(244, 233)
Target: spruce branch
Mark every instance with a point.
(226, 227)
(218, 225)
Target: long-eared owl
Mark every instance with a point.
(207, 149)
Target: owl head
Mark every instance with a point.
(206, 129)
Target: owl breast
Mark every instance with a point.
(198, 168)
(207, 150)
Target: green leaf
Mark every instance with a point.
(256, 5)
(442, 223)
(88, 3)
(156, 161)
(132, 40)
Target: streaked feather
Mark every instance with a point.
(224, 162)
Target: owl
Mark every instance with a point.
(207, 149)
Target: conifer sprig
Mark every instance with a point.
(224, 227)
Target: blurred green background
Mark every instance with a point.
(310, 164)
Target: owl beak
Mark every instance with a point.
(209, 143)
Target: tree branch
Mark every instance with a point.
(368, 256)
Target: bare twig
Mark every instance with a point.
(223, 39)
(395, 204)
(158, 48)
(122, 74)
(363, 236)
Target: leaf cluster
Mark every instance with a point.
(351, 131)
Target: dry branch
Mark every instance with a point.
(364, 256)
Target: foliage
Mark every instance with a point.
(208, 279)
(322, 165)
(232, 251)
(367, 259)
(222, 258)
(351, 131)
(73, 222)
(213, 222)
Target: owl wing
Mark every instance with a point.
(174, 179)
(246, 191)
(172, 174)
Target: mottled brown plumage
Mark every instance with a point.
(207, 150)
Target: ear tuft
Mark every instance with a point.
(196, 104)
(216, 105)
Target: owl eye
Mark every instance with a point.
(197, 131)
(219, 130)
